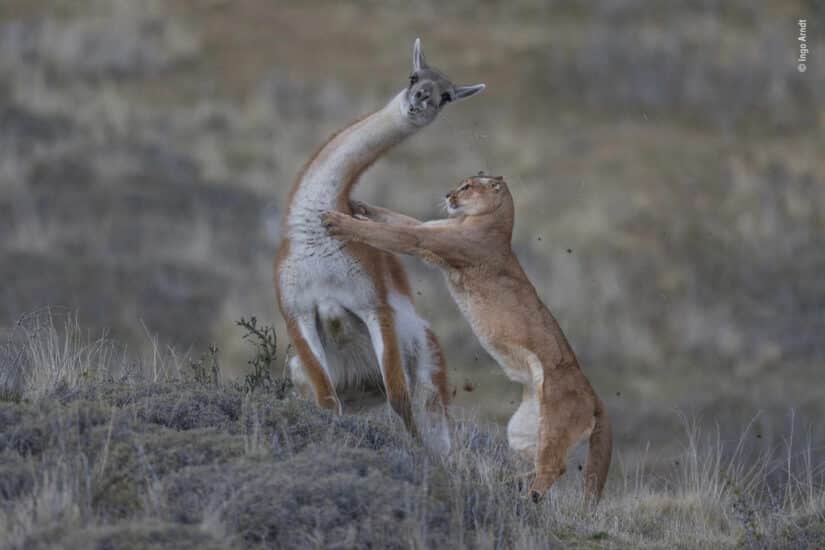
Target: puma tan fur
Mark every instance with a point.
(473, 247)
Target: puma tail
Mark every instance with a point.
(598, 459)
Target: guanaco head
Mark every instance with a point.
(430, 90)
(479, 195)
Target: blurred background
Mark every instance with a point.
(667, 162)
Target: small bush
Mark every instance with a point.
(265, 342)
(190, 408)
(322, 497)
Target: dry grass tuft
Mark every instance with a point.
(114, 456)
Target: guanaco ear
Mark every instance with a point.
(462, 92)
(418, 56)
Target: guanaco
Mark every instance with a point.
(348, 308)
(485, 278)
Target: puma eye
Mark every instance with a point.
(413, 78)
(464, 187)
(445, 97)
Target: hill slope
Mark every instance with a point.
(97, 451)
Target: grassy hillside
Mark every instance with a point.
(98, 452)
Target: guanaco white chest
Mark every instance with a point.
(318, 269)
(348, 311)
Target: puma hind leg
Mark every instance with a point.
(567, 414)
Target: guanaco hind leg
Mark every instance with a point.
(437, 396)
(299, 378)
(387, 350)
(304, 336)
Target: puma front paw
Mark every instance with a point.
(336, 223)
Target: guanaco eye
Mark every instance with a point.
(464, 187)
(413, 79)
(445, 97)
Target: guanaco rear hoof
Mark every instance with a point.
(535, 496)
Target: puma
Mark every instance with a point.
(473, 247)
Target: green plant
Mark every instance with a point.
(265, 342)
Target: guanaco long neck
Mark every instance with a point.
(330, 176)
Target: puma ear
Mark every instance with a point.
(463, 92)
(418, 56)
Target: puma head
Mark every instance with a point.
(478, 195)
